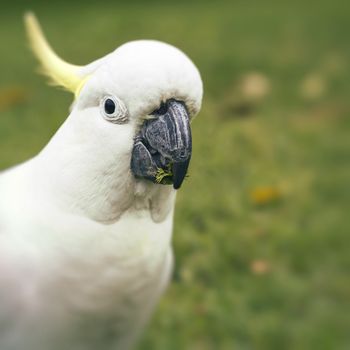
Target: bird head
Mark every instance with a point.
(136, 102)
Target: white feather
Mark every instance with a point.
(85, 248)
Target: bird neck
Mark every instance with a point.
(89, 181)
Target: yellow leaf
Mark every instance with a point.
(265, 195)
(12, 96)
(260, 267)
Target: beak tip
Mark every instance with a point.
(179, 173)
(176, 186)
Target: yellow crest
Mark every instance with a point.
(60, 72)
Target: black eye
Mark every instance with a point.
(161, 110)
(109, 106)
(114, 110)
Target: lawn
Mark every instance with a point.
(261, 231)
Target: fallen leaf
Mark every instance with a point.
(186, 275)
(313, 87)
(255, 86)
(265, 195)
(12, 96)
(260, 267)
(243, 97)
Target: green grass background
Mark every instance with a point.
(287, 141)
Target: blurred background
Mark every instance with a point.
(261, 232)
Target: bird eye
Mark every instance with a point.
(114, 110)
(109, 106)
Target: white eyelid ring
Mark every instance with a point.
(114, 110)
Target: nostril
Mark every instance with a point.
(163, 108)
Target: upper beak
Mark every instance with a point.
(164, 142)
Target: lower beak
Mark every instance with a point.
(163, 148)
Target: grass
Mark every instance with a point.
(259, 274)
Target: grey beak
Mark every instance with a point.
(164, 142)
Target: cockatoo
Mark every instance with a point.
(86, 225)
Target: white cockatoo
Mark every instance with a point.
(86, 225)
